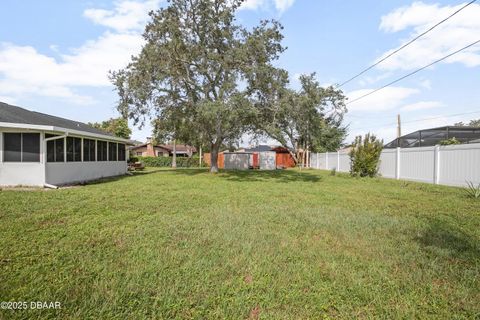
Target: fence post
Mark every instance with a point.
(338, 161)
(436, 174)
(397, 164)
(326, 160)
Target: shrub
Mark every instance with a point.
(472, 190)
(167, 162)
(450, 141)
(365, 156)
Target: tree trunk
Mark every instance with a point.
(174, 160)
(214, 159)
(200, 160)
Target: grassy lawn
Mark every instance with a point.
(269, 245)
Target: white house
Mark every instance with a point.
(37, 149)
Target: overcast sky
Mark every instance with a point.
(55, 55)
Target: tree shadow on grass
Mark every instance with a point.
(442, 237)
(282, 176)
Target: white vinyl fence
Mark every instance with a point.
(453, 165)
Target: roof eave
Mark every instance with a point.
(63, 130)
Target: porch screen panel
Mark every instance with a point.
(55, 151)
(88, 150)
(12, 147)
(59, 151)
(112, 151)
(102, 151)
(74, 149)
(121, 152)
(30, 147)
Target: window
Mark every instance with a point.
(21, 147)
(74, 149)
(112, 151)
(121, 152)
(101, 151)
(30, 147)
(12, 147)
(55, 151)
(139, 154)
(88, 150)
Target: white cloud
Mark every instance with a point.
(280, 5)
(386, 99)
(450, 36)
(126, 16)
(25, 71)
(422, 105)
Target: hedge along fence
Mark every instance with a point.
(193, 162)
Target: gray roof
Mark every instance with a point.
(260, 148)
(13, 114)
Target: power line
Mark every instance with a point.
(420, 120)
(414, 72)
(405, 45)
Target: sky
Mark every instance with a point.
(55, 56)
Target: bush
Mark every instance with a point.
(167, 162)
(449, 142)
(365, 156)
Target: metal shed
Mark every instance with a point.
(267, 160)
(237, 161)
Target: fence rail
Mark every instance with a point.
(453, 165)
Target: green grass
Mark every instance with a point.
(276, 245)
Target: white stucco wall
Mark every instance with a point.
(58, 173)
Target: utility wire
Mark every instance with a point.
(405, 45)
(420, 120)
(414, 72)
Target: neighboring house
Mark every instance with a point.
(37, 149)
(161, 150)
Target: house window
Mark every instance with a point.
(101, 151)
(74, 149)
(139, 154)
(55, 151)
(21, 147)
(121, 152)
(112, 151)
(88, 150)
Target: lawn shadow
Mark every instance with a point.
(282, 176)
(440, 235)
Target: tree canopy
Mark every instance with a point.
(193, 74)
(116, 126)
(309, 117)
(472, 123)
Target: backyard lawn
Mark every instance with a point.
(270, 245)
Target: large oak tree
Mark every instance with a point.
(199, 72)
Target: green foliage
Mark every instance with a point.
(191, 70)
(159, 162)
(472, 191)
(450, 141)
(472, 123)
(116, 126)
(311, 116)
(365, 156)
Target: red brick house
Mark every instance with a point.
(161, 150)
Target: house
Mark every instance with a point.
(149, 149)
(38, 149)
